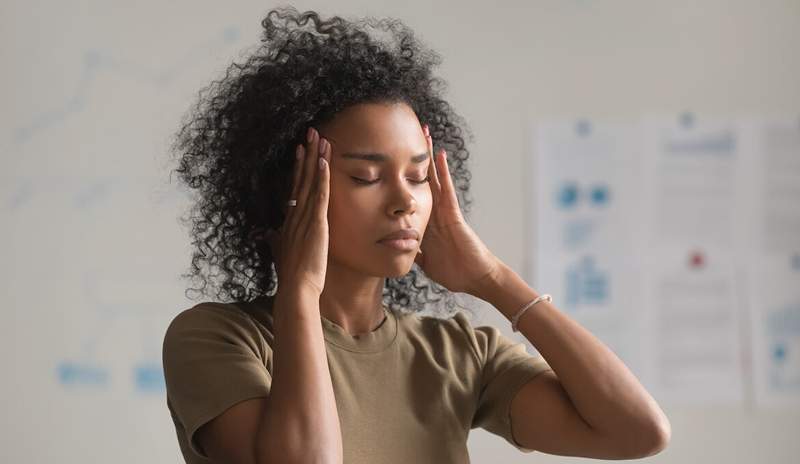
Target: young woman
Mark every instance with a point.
(331, 179)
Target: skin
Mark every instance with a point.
(359, 214)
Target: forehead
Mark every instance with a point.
(389, 128)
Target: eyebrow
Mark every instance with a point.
(380, 158)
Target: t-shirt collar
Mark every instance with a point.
(373, 342)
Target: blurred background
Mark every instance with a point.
(638, 160)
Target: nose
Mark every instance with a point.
(402, 199)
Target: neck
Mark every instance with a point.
(352, 300)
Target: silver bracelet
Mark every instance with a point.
(515, 319)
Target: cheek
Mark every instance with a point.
(349, 214)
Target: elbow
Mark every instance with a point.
(639, 442)
(655, 440)
(662, 434)
(663, 437)
(654, 434)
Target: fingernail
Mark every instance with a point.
(323, 145)
(310, 134)
(322, 162)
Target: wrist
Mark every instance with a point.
(487, 285)
(296, 301)
(506, 291)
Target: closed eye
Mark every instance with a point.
(370, 182)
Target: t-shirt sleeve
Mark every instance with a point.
(507, 366)
(213, 358)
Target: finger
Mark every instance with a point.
(289, 224)
(310, 213)
(324, 186)
(432, 167)
(448, 189)
(296, 177)
(309, 167)
(432, 171)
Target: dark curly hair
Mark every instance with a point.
(236, 145)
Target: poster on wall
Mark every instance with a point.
(676, 241)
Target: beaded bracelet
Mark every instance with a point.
(515, 319)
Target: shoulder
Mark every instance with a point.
(485, 342)
(453, 331)
(209, 314)
(212, 321)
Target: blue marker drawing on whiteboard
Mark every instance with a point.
(82, 374)
(149, 378)
(97, 63)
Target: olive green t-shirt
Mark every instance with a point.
(409, 391)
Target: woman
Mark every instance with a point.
(319, 190)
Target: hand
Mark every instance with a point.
(301, 244)
(452, 254)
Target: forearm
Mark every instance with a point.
(301, 422)
(605, 393)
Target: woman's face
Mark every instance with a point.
(398, 197)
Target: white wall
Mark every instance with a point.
(92, 90)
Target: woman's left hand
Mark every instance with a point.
(452, 254)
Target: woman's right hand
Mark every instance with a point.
(300, 247)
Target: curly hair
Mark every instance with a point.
(236, 144)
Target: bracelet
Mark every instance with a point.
(515, 319)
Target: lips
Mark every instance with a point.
(402, 234)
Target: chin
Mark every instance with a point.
(386, 264)
(394, 275)
(394, 268)
(398, 267)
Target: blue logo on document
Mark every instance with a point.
(577, 232)
(585, 284)
(779, 352)
(599, 195)
(567, 195)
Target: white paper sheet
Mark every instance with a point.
(645, 234)
(773, 259)
(586, 235)
(693, 314)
